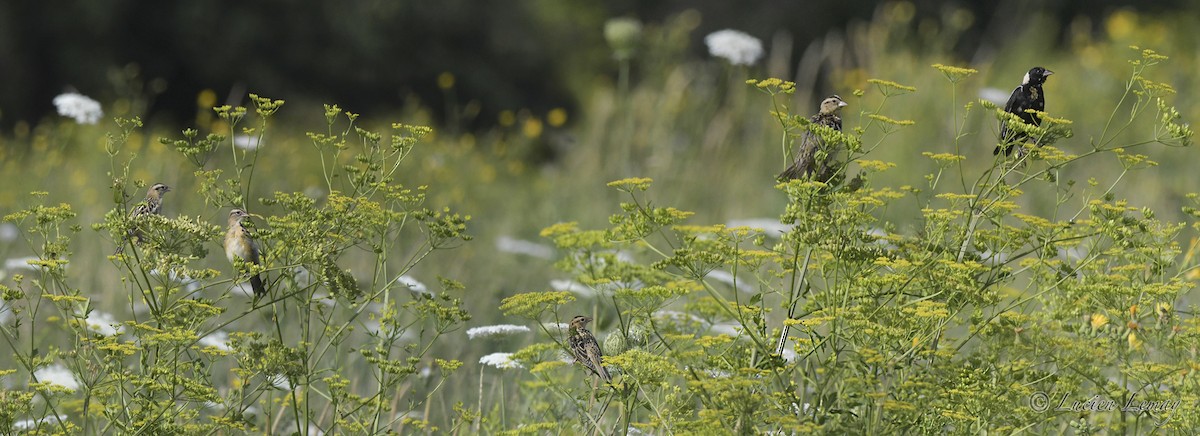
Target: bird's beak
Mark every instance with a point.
(1047, 73)
(843, 104)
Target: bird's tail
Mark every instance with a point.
(256, 283)
(132, 236)
(792, 172)
(603, 373)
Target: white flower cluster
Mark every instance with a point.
(415, 287)
(495, 330)
(737, 47)
(218, 340)
(246, 142)
(78, 106)
(57, 374)
(103, 324)
(509, 244)
(499, 360)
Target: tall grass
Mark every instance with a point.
(693, 126)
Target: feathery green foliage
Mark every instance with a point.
(925, 289)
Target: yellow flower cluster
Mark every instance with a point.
(631, 184)
(955, 74)
(890, 88)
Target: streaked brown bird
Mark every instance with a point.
(806, 164)
(152, 205)
(584, 346)
(239, 244)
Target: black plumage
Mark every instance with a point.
(806, 160)
(1027, 96)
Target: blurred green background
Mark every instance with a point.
(532, 113)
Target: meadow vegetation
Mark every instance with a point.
(930, 287)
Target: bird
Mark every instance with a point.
(152, 205)
(1028, 95)
(239, 244)
(805, 164)
(584, 347)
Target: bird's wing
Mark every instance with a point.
(252, 245)
(139, 209)
(1012, 100)
(593, 355)
(253, 251)
(1010, 107)
(810, 141)
(249, 234)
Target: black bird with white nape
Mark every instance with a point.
(1028, 95)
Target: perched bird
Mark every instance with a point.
(584, 346)
(805, 164)
(1027, 96)
(239, 244)
(152, 205)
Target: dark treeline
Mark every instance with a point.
(372, 55)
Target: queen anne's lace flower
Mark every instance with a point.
(415, 287)
(30, 424)
(499, 360)
(513, 245)
(737, 47)
(103, 324)
(218, 340)
(57, 374)
(495, 330)
(246, 142)
(78, 106)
